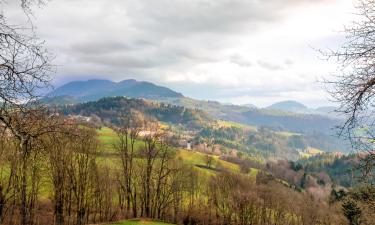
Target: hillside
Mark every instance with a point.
(111, 110)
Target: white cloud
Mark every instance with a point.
(230, 50)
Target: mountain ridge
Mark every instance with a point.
(289, 105)
(91, 90)
(298, 107)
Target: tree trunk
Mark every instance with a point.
(59, 208)
(24, 206)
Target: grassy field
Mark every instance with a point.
(106, 137)
(314, 151)
(225, 123)
(287, 133)
(136, 222)
(310, 152)
(198, 158)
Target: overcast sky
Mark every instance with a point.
(237, 51)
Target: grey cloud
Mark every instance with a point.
(121, 61)
(149, 39)
(184, 17)
(162, 33)
(239, 60)
(289, 62)
(269, 65)
(99, 47)
(211, 91)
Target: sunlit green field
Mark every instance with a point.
(198, 158)
(287, 133)
(226, 123)
(311, 152)
(106, 137)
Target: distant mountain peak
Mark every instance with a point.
(289, 105)
(95, 89)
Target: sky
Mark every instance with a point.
(233, 51)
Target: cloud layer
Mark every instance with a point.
(255, 51)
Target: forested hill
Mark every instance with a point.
(112, 109)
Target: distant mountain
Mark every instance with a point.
(288, 106)
(288, 115)
(92, 90)
(297, 107)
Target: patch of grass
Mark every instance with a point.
(106, 136)
(253, 173)
(304, 155)
(225, 123)
(139, 222)
(199, 158)
(311, 152)
(314, 151)
(287, 133)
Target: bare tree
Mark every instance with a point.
(354, 87)
(132, 123)
(81, 170)
(24, 62)
(24, 68)
(59, 146)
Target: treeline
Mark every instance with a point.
(263, 142)
(111, 109)
(343, 169)
(290, 173)
(266, 142)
